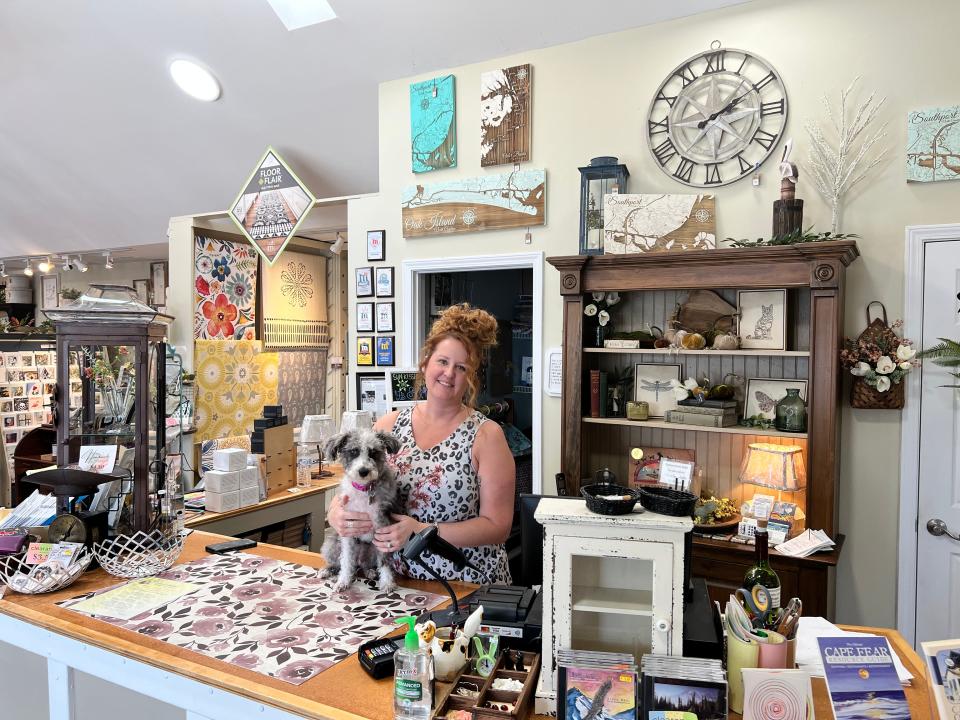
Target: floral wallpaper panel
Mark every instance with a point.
(235, 379)
(225, 290)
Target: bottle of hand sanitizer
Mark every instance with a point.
(412, 689)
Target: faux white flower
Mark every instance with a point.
(598, 296)
(590, 310)
(905, 352)
(604, 317)
(885, 365)
(681, 393)
(691, 384)
(860, 369)
(883, 382)
(906, 365)
(613, 297)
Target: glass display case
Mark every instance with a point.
(111, 395)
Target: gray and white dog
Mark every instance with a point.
(369, 485)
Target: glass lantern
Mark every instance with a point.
(111, 393)
(603, 176)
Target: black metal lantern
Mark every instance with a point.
(603, 176)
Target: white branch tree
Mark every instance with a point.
(837, 170)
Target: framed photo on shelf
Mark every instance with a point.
(364, 350)
(158, 281)
(763, 319)
(401, 383)
(376, 245)
(372, 393)
(384, 281)
(764, 393)
(385, 317)
(652, 385)
(50, 290)
(142, 288)
(364, 317)
(364, 282)
(385, 351)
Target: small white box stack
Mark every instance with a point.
(230, 459)
(222, 484)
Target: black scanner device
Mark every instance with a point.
(511, 612)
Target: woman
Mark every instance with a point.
(454, 467)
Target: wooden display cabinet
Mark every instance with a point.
(651, 285)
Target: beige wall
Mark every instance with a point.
(591, 98)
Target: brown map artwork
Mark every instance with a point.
(656, 223)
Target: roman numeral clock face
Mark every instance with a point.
(716, 117)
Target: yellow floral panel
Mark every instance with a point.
(235, 379)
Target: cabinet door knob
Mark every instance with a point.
(661, 625)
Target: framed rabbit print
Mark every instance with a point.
(763, 319)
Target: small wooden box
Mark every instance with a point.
(280, 457)
(521, 701)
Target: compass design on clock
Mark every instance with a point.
(716, 117)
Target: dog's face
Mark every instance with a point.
(363, 453)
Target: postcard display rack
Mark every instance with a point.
(614, 582)
(651, 285)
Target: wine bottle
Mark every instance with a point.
(760, 573)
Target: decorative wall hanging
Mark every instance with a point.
(488, 202)
(142, 289)
(295, 302)
(271, 205)
(654, 223)
(505, 115)
(652, 385)
(235, 379)
(364, 317)
(262, 614)
(376, 245)
(158, 280)
(385, 351)
(384, 281)
(433, 124)
(302, 384)
(763, 394)
(364, 282)
(364, 350)
(225, 290)
(763, 319)
(385, 317)
(716, 117)
(933, 144)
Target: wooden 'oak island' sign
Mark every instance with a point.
(488, 202)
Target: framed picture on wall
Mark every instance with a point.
(372, 393)
(385, 351)
(385, 317)
(364, 317)
(384, 281)
(376, 245)
(763, 319)
(142, 288)
(763, 394)
(364, 282)
(158, 281)
(50, 289)
(365, 350)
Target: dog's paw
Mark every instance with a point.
(329, 572)
(386, 586)
(343, 584)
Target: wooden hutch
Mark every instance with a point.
(651, 286)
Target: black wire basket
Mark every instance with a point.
(602, 505)
(668, 501)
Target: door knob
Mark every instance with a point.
(938, 527)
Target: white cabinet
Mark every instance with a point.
(611, 583)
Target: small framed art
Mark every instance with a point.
(384, 281)
(364, 350)
(763, 319)
(142, 288)
(372, 393)
(385, 317)
(385, 351)
(652, 385)
(376, 245)
(50, 289)
(364, 317)
(763, 394)
(364, 282)
(158, 282)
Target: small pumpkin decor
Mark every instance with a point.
(878, 360)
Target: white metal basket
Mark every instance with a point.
(139, 555)
(43, 578)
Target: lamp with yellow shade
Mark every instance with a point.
(780, 467)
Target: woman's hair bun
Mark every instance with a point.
(476, 326)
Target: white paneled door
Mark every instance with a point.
(938, 546)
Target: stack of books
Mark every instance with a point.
(596, 685)
(709, 413)
(674, 684)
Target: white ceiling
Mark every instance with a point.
(99, 148)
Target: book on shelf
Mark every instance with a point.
(598, 394)
(861, 678)
(722, 404)
(684, 418)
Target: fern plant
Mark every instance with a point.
(946, 354)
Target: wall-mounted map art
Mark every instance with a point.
(933, 144)
(271, 205)
(506, 102)
(489, 202)
(295, 302)
(433, 124)
(656, 223)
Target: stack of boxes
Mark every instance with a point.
(231, 484)
(272, 438)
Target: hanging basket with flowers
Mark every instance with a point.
(878, 360)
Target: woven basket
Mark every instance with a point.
(862, 395)
(668, 501)
(603, 506)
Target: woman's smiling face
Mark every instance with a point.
(447, 368)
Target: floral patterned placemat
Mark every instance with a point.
(278, 618)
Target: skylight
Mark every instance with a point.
(296, 14)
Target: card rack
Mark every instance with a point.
(479, 707)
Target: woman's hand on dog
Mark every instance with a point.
(392, 538)
(346, 522)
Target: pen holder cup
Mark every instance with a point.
(773, 652)
(740, 655)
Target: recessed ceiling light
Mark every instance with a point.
(195, 80)
(296, 14)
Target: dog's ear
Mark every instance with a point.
(389, 441)
(335, 445)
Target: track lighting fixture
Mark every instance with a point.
(67, 263)
(45, 265)
(3, 269)
(109, 264)
(80, 264)
(28, 270)
(338, 245)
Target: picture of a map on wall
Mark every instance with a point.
(933, 144)
(433, 124)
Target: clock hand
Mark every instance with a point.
(725, 109)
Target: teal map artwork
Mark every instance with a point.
(433, 126)
(933, 144)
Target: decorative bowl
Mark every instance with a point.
(139, 555)
(43, 578)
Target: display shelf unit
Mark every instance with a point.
(651, 286)
(589, 598)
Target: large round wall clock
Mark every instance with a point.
(717, 117)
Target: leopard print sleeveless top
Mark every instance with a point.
(440, 485)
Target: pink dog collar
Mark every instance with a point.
(358, 486)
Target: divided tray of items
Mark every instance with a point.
(507, 693)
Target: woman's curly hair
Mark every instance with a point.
(476, 329)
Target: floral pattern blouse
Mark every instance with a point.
(441, 485)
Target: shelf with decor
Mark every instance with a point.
(652, 289)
